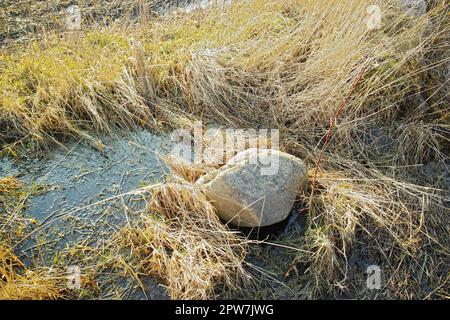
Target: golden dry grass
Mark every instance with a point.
(182, 242)
(17, 282)
(401, 227)
(289, 65)
(177, 239)
(354, 207)
(20, 283)
(246, 64)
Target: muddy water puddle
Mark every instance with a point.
(85, 194)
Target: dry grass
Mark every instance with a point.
(182, 242)
(20, 283)
(12, 202)
(358, 212)
(20, 21)
(356, 207)
(288, 65)
(177, 239)
(17, 282)
(243, 65)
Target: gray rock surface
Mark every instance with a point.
(256, 187)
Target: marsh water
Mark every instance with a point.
(78, 189)
(80, 194)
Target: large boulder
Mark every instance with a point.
(256, 187)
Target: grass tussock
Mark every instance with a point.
(18, 282)
(177, 239)
(360, 214)
(181, 241)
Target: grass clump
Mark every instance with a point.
(18, 282)
(182, 242)
(359, 217)
(12, 202)
(60, 90)
(177, 239)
